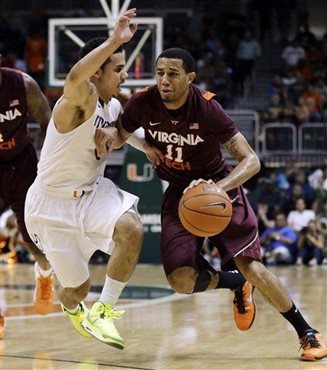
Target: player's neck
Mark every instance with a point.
(104, 95)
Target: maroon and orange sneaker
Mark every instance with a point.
(244, 306)
(2, 326)
(43, 294)
(314, 347)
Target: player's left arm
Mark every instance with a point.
(37, 104)
(248, 165)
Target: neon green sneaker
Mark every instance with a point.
(77, 319)
(99, 323)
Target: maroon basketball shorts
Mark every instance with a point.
(179, 248)
(16, 176)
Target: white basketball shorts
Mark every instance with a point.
(69, 230)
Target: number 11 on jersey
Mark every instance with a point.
(170, 153)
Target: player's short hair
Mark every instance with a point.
(94, 43)
(179, 53)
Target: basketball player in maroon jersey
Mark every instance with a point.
(20, 97)
(188, 126)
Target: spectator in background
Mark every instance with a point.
(211, 254)
(247, 52)
(314, 56)
(310, 245)
(275, 85)
(301, 179)
(264, 217)
(302, 112)
(222, 84)
(9, 238)
(279, 242)
(35, 55)
(301, 217)
(289, 202)
(314, 101)
(305, 36)
(206, 71)
(13, 61)
(321, 88)
(320, 190)
(303, 71)
(318, 178)
(293, 53)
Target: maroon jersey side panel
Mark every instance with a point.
(14, 136)
(190, 137)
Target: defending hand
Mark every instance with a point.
(123, 30)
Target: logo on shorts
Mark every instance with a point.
(36, 240)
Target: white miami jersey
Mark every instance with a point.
(69, 161)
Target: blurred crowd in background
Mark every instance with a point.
(291, 202)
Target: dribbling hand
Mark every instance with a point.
(197, 182)
(123, 30)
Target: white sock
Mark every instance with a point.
(111, 291)
(72, 310)
(40, 272)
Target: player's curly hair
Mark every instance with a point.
(94, 43)
(179, 53)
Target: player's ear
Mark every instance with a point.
(98, 73)
(191, 77)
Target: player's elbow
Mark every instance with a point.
(255, 163)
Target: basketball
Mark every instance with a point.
(205, 210)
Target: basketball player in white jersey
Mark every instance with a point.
(71, 210)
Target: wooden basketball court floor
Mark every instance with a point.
(169, 332)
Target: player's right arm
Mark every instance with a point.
(80, 95)
(137, 140)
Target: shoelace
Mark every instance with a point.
(239, 301)
(45, 288)
(112, 313)
(309, 341)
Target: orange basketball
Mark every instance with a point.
(205, 210)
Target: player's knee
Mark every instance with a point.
(129, 231)
(182, 280)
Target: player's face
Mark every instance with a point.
(173, 82)
(113, 74)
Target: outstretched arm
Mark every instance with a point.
(80, 95)
(77, 81)
(248, 165)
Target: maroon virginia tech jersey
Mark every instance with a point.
(190, 136)
(14, 136)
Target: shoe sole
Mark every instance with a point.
(112, 344)
(254, 307)
(42, 312)
(254, 315)
(307, 357)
